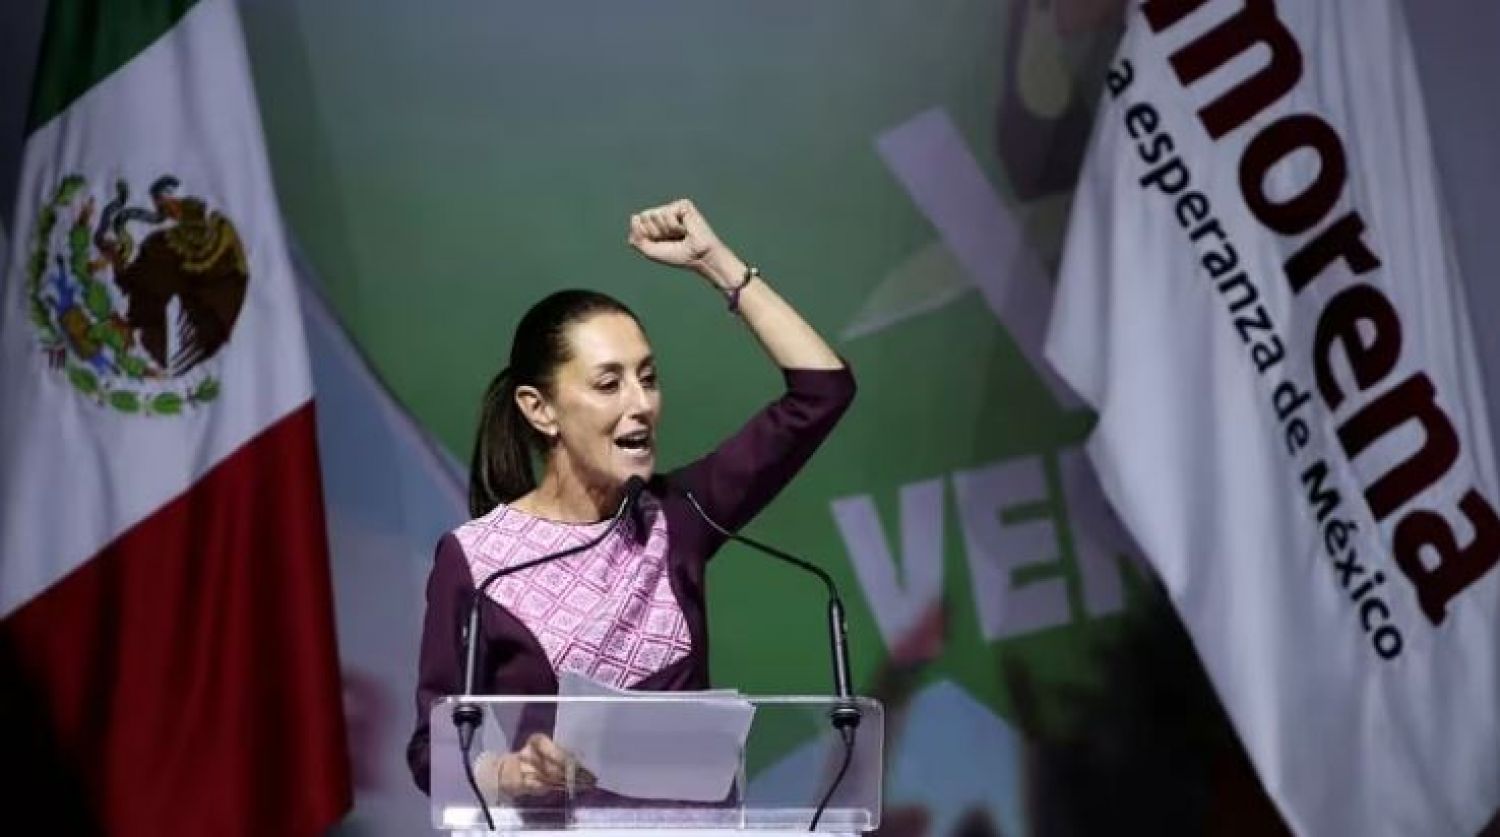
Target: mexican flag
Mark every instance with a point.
(167, 656)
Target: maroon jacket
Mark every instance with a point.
(733, 483)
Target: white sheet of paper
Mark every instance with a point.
(681, 750)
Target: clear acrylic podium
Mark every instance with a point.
(669, 763)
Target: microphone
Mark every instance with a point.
(468, 716)
(845, 714)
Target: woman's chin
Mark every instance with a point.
(643, 467)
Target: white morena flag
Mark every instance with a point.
(169, 662)
(1259, 297)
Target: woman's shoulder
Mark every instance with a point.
(484, 521)
(466, 534)
(476, 536)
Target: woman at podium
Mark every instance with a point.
(581, 394)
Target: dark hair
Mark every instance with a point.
(500, 470)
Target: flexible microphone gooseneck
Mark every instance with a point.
(467, 716)
(845, 714)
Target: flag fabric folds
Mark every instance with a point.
(1259, 297)
(166, 629)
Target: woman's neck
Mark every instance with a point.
(568, 499)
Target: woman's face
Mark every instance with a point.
(605, 403)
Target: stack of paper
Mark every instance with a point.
(682, 746)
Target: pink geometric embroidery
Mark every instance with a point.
(608, 613)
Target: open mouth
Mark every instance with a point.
(635, 443)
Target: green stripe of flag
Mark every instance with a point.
(86, 40)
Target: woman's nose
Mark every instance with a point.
(640, 399)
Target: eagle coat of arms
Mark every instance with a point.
(130, 305)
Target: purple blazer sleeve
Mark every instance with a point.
(440, 667)
(744, 473)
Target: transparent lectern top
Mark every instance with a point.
(698, 761)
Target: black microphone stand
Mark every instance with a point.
(467, 716)
(845, 714)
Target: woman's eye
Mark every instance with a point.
(607, 385)
(649, 380)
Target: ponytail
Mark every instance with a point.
(500, 470)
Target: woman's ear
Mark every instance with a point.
(537, 411)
